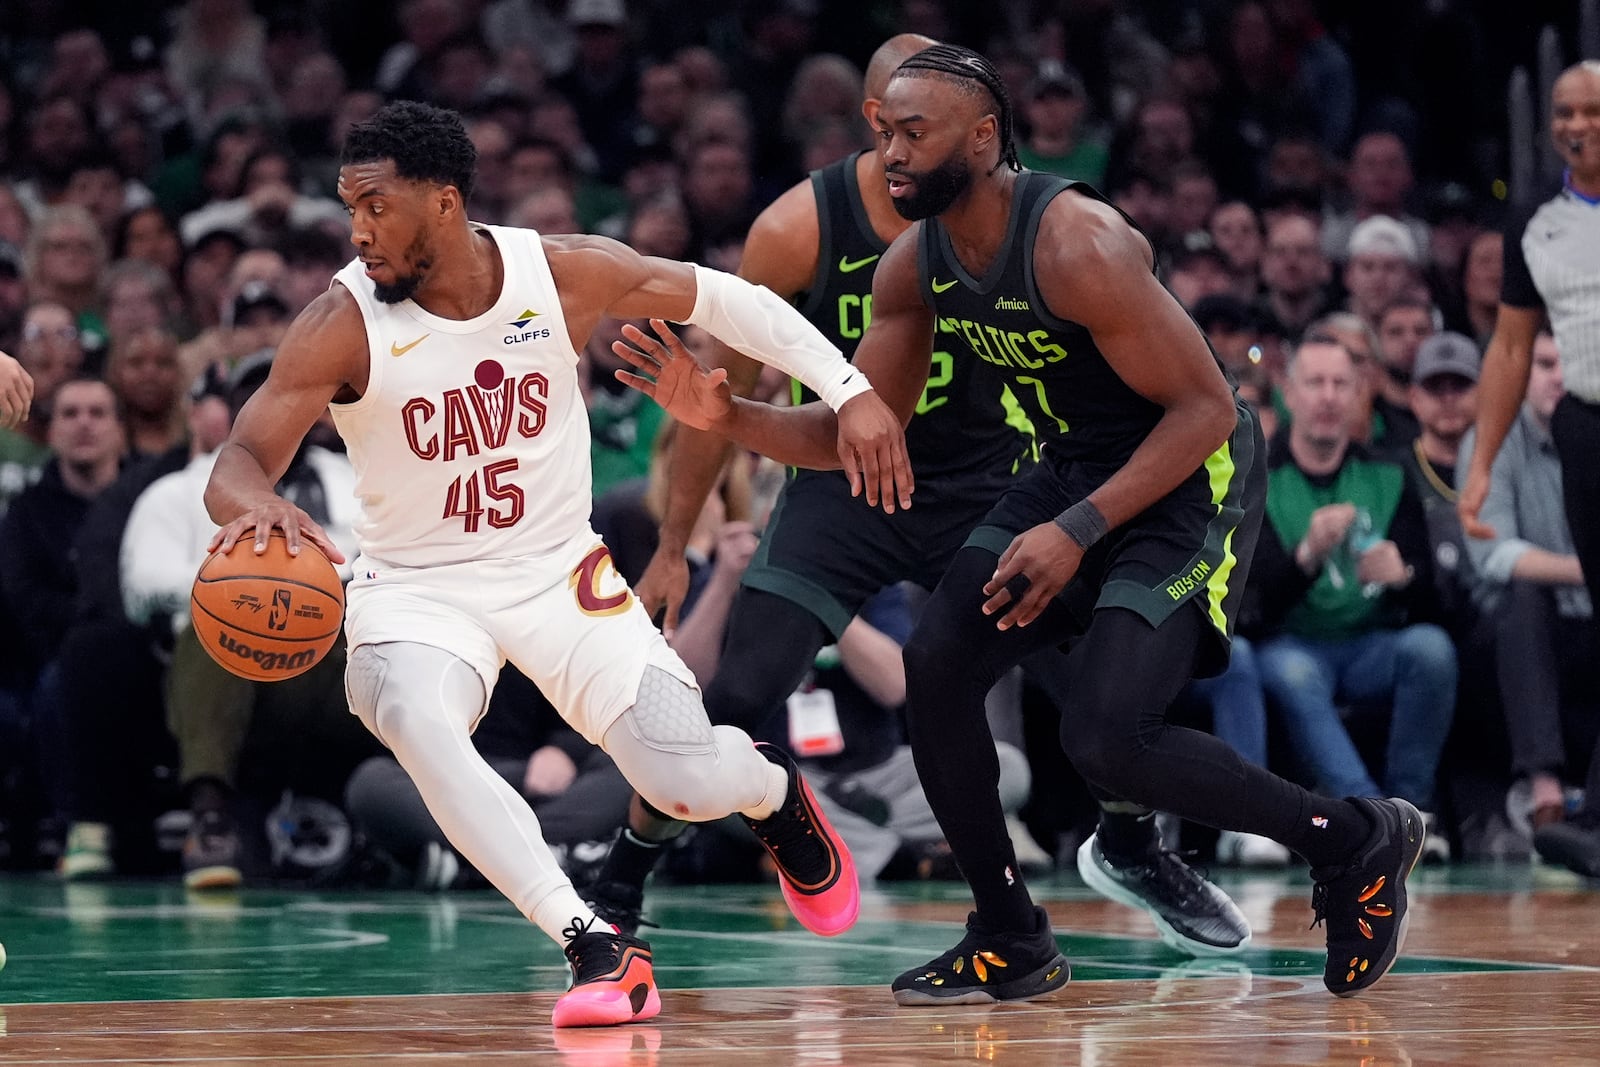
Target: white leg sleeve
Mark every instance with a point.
(673, 757)
(421, 702)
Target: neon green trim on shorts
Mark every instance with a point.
(1220, 469)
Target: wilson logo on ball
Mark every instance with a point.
(267, 661)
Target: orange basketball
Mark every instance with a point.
(267, 617)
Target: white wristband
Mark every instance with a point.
(852, 385)
(764, 326)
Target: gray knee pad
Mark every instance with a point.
(668, 716)
(363, 679)
(382, 680)
(666, 748)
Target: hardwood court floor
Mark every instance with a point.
(1501, 965)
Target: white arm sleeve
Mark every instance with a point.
(762, 325)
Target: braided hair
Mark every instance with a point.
(970, 72)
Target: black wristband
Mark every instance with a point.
(1083, 523)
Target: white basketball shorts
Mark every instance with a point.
(583, 639)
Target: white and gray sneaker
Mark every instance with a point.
(437, 868)
(1191, 915)
(1436, 846)
(1235, 849)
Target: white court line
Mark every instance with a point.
(342, 939)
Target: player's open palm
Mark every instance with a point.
(671, 376)
(662, 587)
(1047, 559)
(872, 452)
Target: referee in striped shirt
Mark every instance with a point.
(1552, 268)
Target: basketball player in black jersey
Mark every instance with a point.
(1129, 539)
(823, 555)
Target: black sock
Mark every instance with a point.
(631, 859)
(1127, 833)
(1328, 832)
(998, 893)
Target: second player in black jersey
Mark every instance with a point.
(824, 553)
(1128, 539)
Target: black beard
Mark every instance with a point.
(401, 289)
(406, 285)
(936, 189)
(397, 291)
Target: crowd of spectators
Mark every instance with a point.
(1316, 182)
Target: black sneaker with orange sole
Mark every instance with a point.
(1363, 902)
(988, 966)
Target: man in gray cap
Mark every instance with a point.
(1444, 397)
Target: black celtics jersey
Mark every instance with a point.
(1079, 407)
(966, 428)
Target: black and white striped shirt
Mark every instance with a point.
(1552, 261)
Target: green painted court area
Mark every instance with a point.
(151, 941)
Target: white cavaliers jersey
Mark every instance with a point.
(471, 441)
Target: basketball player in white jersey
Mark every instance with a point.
(448, 351)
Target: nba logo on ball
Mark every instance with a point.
(271, 616)
(279, 619)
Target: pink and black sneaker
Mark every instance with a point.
(817, 875)
(613, 981)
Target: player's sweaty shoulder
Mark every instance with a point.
(329, 334)
(1086, 253)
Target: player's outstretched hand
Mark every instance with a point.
(872, 451)
(672, 376)
(1047, 558)
(662, 587)
(16, 393)
(297, 527)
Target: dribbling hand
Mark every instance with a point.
(297, 527)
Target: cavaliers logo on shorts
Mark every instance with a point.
(597, 586)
